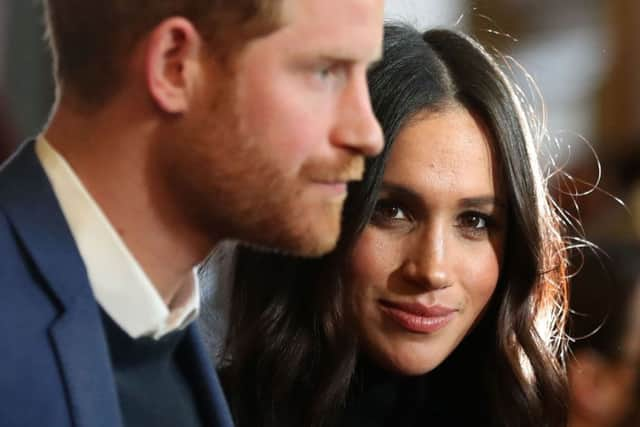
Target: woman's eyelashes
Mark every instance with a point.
(389, 211)
(477, 225)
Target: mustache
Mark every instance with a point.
(345, 169)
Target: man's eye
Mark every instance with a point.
(324, 72)
(335, 74)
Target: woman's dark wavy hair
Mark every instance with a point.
(291, 352)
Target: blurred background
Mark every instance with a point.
(581, 56)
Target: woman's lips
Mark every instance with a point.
(416, 317)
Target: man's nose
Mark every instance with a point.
(357, 128)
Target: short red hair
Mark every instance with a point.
(90, 40)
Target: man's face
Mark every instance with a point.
(265, 156)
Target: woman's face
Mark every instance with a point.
(425, 267)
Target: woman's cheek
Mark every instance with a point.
(482, 273)
(372, 259)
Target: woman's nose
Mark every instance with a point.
(428, 263)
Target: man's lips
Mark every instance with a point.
(337, 178)
(337, 182)
(416, 317)
(337, 185)
(336, 174)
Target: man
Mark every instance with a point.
(178, 124)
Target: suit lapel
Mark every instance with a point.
(198, 368)
(29, 203)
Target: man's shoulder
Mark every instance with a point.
(24, 296)
(29, 369)
(16, 200)
(7, 239)
(25, 149)
(21, 204)
(19, 172)
(14, 259)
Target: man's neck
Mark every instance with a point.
(112, 160)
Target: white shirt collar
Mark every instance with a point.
(119, 284)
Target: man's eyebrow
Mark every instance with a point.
(346, 56)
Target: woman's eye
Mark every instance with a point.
(389, 210)
(474, 221)
(476, 225)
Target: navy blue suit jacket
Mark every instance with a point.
(54, 361)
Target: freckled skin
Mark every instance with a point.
(434, 249)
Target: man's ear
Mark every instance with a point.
(172, 65)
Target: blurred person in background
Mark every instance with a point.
(605, 327)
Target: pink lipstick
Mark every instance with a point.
(418, 318)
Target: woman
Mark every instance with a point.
(444, 301)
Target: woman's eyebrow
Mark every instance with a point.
(483, 201)
(400, 191)
(406, 193)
